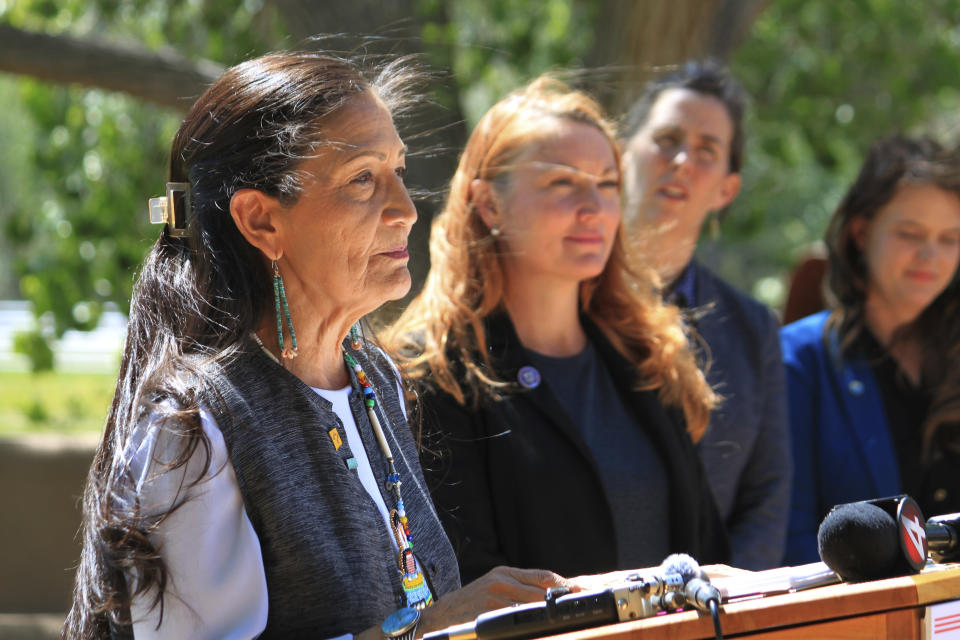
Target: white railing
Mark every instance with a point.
(96, 351)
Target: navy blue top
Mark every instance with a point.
(683, 291)
(625, 457)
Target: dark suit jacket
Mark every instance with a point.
(515, 484)
(746, 449)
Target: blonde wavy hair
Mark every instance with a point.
(440, 338)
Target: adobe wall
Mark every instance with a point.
(41, 481)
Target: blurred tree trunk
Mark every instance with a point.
(164, 78)
(637, 41)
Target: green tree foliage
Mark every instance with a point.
(84, 231)
(33, 345)
(826, 79)
(79, 222)
(494, 46)
(80, 229)
(17, 181)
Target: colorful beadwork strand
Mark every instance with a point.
(414, 586)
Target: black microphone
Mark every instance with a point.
(859, 542)
(943, 537)
(878, 538)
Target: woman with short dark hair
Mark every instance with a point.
(683, 154)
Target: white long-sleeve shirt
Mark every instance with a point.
(217, 586)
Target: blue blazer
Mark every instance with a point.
(842, 449)
(745, 450)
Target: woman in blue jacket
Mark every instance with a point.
(874, 401)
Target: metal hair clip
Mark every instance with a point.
(172, 209)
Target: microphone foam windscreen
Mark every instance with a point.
(859, 541)
(682, 564)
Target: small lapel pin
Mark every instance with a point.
(528, 377)
(855, 387)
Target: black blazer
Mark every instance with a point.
(515, 485)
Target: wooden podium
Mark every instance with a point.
(891, 608)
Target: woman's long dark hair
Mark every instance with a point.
(891, 163)
(198, 297)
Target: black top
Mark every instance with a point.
(624, 455)
(515, 485)
(935, 486)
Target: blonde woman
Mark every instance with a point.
(556, 387)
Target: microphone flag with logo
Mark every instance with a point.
(874, 538)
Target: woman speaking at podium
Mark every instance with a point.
(874, 383)
(557, 387)
(257, 477)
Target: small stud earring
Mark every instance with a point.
(495, 231)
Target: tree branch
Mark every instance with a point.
(164, 78)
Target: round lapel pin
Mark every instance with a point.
(528, 377)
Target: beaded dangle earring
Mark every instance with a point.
(356, 336)
(283, 313)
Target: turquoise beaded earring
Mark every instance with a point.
(356, 336)
(283, 313)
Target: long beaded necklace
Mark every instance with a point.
(415, 588)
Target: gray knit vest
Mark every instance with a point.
(327, 554)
